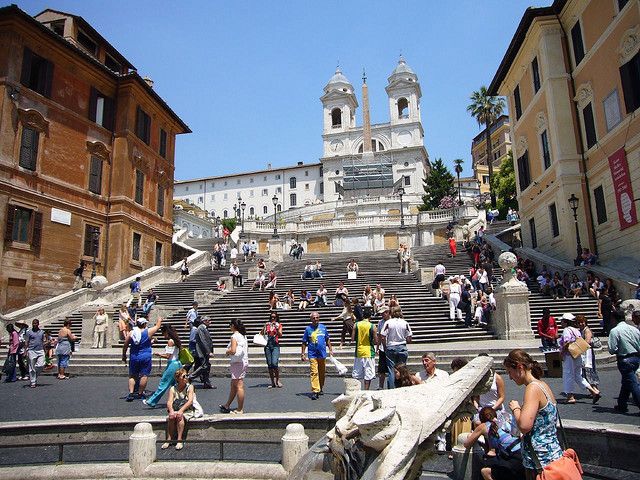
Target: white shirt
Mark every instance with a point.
(396, 331)
(454, 289)
(438, 376)
(234, 252)
(439, 269)
(234, 270)
(192, 315)
(172, 351)
(242, 353)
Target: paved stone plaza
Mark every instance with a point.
(87, 396)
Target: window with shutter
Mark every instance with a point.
(135, 253)
(163, 143)
(553, 217)
(589, 126)
(37, 73)
(532, 231)
(29, 148)
(524, 176)
(546, 154)
(630, 77)
(535, 71)
(601, 206)
(576, 41)
(160, 202)
(36, 239)
(95, 175)
(8, 230)
(143, 126)
(19, 226)
(516, 102)
(139, 195)
(101, 109)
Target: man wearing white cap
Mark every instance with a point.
(140, 355)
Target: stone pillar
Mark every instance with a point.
(142, 448)
(512, 319)
(426, 276)
(228, 282)
(88, 324)
(276, 246)
(463, 459)
(295, 444)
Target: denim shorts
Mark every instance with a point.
(63, 361)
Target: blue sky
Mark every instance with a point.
(247, 76)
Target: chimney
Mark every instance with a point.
(268, 166)
(148, 81)
(299, 163)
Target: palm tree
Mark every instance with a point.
(458, 169)
(486, 109)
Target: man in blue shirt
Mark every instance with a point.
(136, 289)
(624, 343)
(316, 339)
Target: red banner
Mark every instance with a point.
(622, 189)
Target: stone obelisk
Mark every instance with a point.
(367, 152)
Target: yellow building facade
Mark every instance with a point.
(500, 147)
(572, 78)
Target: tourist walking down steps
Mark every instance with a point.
(171, 352)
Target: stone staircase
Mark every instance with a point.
(427, 314)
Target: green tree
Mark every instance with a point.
(486, 109)
(229, 223)
(458, 169)
(437, 185)
(505, 185)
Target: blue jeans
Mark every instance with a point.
(272, 352)
(395, 354)
(630, 385)
(166, 382)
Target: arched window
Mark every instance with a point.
(292, 182)
(279, 207)
(252, 211)
(376, 146)
(293, 199)
(265, 210)
(336, 118)
(225, 214)
(403, 108)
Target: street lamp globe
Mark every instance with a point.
(275, 200)
(573, 202)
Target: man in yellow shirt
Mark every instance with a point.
(365, 335)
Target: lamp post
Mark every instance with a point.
(235, 211)
(401, 193)
(275, 216)
(242, 207)
(573, 203)
(95, 237)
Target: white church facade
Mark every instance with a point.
(357, 161)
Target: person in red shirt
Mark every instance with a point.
(548, 330)
(452, 246)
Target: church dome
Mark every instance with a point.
(338, 82)
(403, 70)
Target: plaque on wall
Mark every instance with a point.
(60, 216)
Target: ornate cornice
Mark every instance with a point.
(584, 95)
(99, 150)
(33, 119)
(629, 45)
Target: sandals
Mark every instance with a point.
(237, 412)
(165, 445)
(596, 398)
(179, 446)
(224, 409)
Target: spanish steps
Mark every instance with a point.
(427, 314)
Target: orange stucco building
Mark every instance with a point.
(572, 78)
(86, 153)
